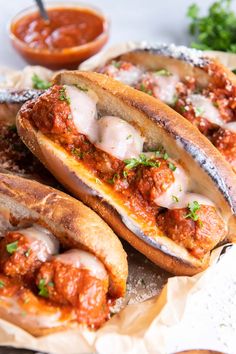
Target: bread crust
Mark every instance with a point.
(157, 122)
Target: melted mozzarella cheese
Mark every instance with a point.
(42, 242)
(176, 191)
(165, 88)
(84, 260)
(206, 109)
(119, 138)
(129, 76)
(231, 127)
(189, 198)
(84, 112)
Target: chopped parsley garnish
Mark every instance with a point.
(77, 153)
(172, 166)
(114, 178)
(216, 30)
(182, 109)
(43, 291)
(165, 156)
(63, 96)
(234, 71)
(2, 284)
(40, 84)
(125, 174)
(141, 160)
(198, 111)
(175, 99)
(128, 137)
(175, 199)
(97, 180)
(81, 88)
(12, 247)
(27, 253)
(143, 88)
(193, 208)
(116, 64)
(163, 72)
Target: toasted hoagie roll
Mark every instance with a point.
(154, 179)
(198, 87)
(61, 266)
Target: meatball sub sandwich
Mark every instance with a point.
(201, 89)
(61, 266)
(154, 179)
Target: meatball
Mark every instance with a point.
(51, 112)
(65, 285)
(17, 259)
(151, 183)
(225, 141)
(198, 237)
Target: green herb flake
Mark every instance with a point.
(165, 156)
(193, 208)
(172, 166)
(27, 253)
(114, 178)
(199, 111)
(175, 199)
(43, 291)
(51, 284)
(141, 160)
(143, 88)
(40, 84)
(116, 64)
(128, 137)
(63, 96)
(125, 174)
(163, 72)
(12, 247)
(2, 284)
(77, 153)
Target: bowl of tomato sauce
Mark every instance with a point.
(74, 32)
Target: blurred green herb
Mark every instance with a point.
(40, 84)
(216, 30)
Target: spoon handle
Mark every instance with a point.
(42, 10)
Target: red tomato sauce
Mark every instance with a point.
(67, 28)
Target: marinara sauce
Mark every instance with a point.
(70, 36)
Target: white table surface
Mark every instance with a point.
(153, 20)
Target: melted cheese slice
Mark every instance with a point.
(205, 108)
(83, 260)
(119, 138)
(41, 241)
(231, 127)
(84, 112)
(165, 88)
(129, 76)
(169, 199)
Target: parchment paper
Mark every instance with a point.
(191, 312)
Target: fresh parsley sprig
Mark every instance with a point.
(216, 30)
(193, 208)
(141, 160)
